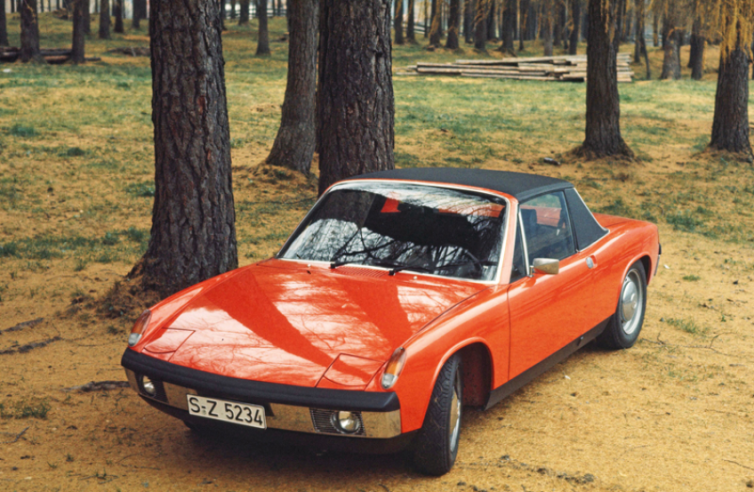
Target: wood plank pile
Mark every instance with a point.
(570, 68)
(53, 55)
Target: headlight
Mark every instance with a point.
(139, 327)
(394, 368)
(149, 387)
(347, 422)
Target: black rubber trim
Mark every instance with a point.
(366, 445)
(256, 391)
(515, 384)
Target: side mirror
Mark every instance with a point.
(547, 265)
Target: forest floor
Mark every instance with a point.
(676, 412)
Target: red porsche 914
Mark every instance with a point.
(402, 297)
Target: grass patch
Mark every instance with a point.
(688, 325)
(692, 278)
(145, 189)
(34, 408)
(22, 130)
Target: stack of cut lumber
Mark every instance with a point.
(53, 55)
(552, 68)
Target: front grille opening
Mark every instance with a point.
(323, 422)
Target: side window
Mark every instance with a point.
(547, 227)
(518, 269)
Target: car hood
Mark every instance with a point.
(286, 322)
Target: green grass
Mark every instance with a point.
(688, 325)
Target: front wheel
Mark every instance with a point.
(624, 326)
(436, 446)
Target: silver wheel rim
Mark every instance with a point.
(455, 413)
(631, 302)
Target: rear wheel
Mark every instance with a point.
(436, 446)
(625, 325)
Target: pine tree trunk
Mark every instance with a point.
(104, 19)
(639, 34)
(603, 137)
(77, 44)
(233, 9)
(480, 24)
(410, 34)
(29, 32)
(3, 27)
(243, 18)
(523, 22)
(453, 23)
(136, 13)
(118, 13)
(573, 44)
(263, 42)
(547, 26)
(355, 105)
(398, 22)
(557, 27)
(730, 125)
(491, 21)
(193, 233)
(294, 144)
(509, 26)
(655, 30)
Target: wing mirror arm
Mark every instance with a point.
(546, 265)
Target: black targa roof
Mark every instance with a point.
(519, 185)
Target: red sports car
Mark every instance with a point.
(402, 297)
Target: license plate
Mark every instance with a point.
(227, 411)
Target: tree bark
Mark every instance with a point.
(480, 24)
(410, 35)
(77, 43)
(698, 44)
(263, 36)
(104, 19)
(639, 34)
(398, 22)
(136, 13)
(355, 105)
(294, 144)
(730, 125)
(29, 32)
(243, 18)
(603, 137)
(523, 22)
(454, 20)
(118, 12)
(491, 21)
(547, 26)
(87, 17)
(193, 233)
(655, 30)
(435, 32)
(233, 9)
(509, 25)
(3, 26)
(671, 64)
(468, 21)
(573, 43)
(557, 27)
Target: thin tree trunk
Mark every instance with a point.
(491, 21)
(468, 21)
(426, 16)
(243, 18)
(480, 24)
(3, 26)
(398, 21)
(118, 12)
(730, 125)
(87, 17)
(104, 19)
(193, 233)
(233, 9)
(523, 22)
(655, 30)
(294, 143)
(77, 43)
(547, 26)
(698, 43)
(639, 41)
(136, 16)
(557, 27)
(573, 44)
(355, 105)
(453, 22)
(603, 137)
(671, 64)
(29, 32)
(263, 41)
(410, 35)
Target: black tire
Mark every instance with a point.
(436, 446)
(623, 329)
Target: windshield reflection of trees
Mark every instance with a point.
(436, 230)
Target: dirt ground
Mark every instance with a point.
(673, 413)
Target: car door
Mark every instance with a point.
(547, 311)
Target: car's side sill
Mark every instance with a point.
(507, 389)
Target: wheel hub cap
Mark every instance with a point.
(630, 299)
(631, 303)
(455, 417)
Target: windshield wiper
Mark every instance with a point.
(395, 268)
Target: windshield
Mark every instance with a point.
(453, 233)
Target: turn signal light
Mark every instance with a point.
(139, 327)
(394, 368)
